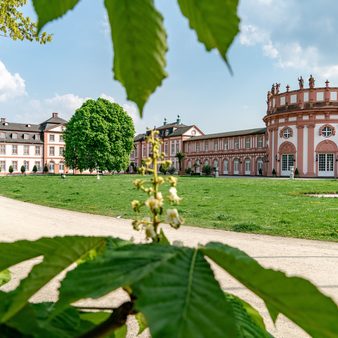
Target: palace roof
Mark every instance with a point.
(230, 134)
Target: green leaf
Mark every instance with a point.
(141, 321)
(35, 320)
(58, 254)
(248, 321)
(95, 317)
(99, 317)
(139, 42)
(163, 238)
(5, 277)
(49, 10)
(181, 298)
(295, 297)
(174, 287)
(215, 22)
(120, 267)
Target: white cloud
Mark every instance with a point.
(270, 50)
(11, 85)
(290, 55)
(252, 35)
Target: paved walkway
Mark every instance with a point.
(315, 260)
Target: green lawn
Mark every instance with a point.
(266, 206)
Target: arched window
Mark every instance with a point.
(236, 166)
(247, 166)
(215, 163)
(225, 167)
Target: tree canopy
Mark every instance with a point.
(99, 135)
(15, 25)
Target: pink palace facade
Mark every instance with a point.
(300, 132)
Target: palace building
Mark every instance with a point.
(300, 133)
(32, 145)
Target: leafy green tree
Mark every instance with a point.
(99, 135)
(35, 169)
(140, 40)
(11, 169)
(15, 25)
(23, 169)
(180, 156)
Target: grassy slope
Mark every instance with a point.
(275, 207)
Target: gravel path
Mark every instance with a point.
(315, 260)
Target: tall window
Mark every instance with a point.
(166, 148)
(61, 166)
(247, 142)
(38, 165)
(197, 146)
(51, 167)
(51, 137)
(2, 149)
(215, 145)
(14, 149)
(37, 150)
(226, 144)
(51, 151)
(3, 165)
(172, 148)
(260, 142)
(61, 151)
(26, 165)
(26, 149)
(206, 146)
(236, 143)
(61, 138)
(177, 146)
(15, 165)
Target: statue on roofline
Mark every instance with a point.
(277, 87)
(311, 81)
(301, 82)
(273, 89)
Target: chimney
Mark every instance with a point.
(178, 121)
(54, 114)
(165, 121)
(3, 120)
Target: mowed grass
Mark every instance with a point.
(265, 206)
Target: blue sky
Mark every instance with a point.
(279, 41)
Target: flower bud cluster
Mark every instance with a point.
(155, 201)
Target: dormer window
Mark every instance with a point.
(2, 135)
(14, 136)
(25, 136)
(37, 137)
